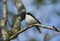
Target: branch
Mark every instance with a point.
(5, 12)
(16, 24)
(18, 3)
(30, 26)
(50, 28)
(16, 34)
(3, 21)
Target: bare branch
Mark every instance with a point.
(18, 3)
(17, 21)
(50, 28)
(17, 25)
(5, 11)
(30, 26)
(3, 21)
(16, 34)
(4, 8)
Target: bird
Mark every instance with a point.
(30, 19)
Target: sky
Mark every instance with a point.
(46, 14)
(0, 9)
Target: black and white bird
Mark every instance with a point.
(30, 19)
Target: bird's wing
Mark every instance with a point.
(35, 18)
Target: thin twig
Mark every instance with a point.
(30, 26)
(46, 27)
(16, 34)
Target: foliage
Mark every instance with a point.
(39, 1)
(54, 1)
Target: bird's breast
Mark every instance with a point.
(30, 19)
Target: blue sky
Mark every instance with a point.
(0, 9)
(46, 14)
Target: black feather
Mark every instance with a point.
(36, 20)
(34, 17)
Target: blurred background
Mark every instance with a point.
(46, 11)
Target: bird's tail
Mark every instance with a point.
(39, 30)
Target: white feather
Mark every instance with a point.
(30, 19)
